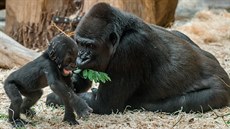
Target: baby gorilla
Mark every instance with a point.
(53, 68)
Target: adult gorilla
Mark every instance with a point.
(150, 67)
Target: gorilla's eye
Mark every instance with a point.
(91, 46)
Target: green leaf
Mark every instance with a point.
(228, 122)
(90, 75)
(77, 71)
(85, 74)
(105, 76)
(100, 78)
(3, 116)
(20, 127)
(94, 75)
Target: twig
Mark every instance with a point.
(222, 81)
(177, 121)
(217, 116)
(178, 112)
(222, 115)
(126, 108)
(71, 33)
(54, 25)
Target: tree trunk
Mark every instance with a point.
(29, 21)
(2, 4)
(14, 54)
(160, 12)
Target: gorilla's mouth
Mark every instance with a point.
(66, 72)
(83, 63)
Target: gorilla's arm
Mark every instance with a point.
(79, 85)
(64, 92)
(70, 99)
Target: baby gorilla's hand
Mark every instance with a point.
(83, 109)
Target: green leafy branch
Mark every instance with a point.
(94, 75)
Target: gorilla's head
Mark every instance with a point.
(63, 51)
(97, 36)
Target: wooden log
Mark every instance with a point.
(2, 4)
(14, 54)
(29, 21)
(160, 12)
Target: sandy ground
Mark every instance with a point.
(209, 29)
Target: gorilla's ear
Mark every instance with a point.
(113, 37)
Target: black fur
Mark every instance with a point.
(48, 69)
(80, 85)
(149, 66)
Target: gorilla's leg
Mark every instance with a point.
(54, 100)
(212, 95)
(69, 115)
(29, 100)
(16, 101)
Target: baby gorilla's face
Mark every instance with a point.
(69, 61)
(63, 50)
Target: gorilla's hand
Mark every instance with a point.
(89, 96)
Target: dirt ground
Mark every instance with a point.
(209, 29)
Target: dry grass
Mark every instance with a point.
(211, 30)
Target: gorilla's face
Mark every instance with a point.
(95, 39)
(63, 50)
(69, 61)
